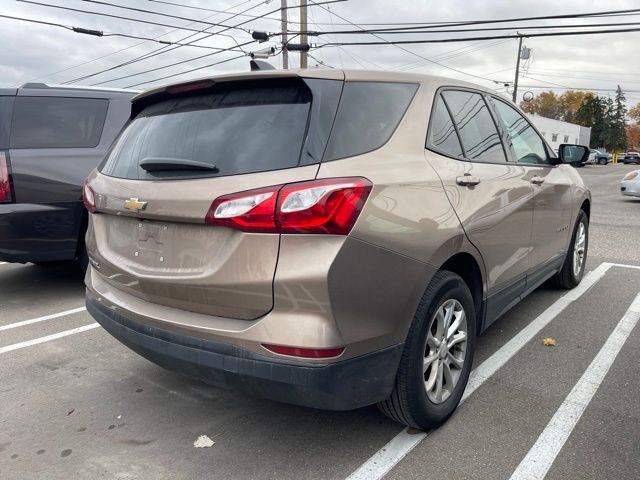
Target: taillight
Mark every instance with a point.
(329, 206)
(305, 352)
(5, 185)
(88, 197)
(251, 211)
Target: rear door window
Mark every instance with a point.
(368, 114)
(56, 122)
(478, 133)
(236, 129)
(442, 136)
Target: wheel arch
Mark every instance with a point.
(468, 268)
(586, 207)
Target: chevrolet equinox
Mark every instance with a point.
(332, 239)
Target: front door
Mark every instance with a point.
(551, 192)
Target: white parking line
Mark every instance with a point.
(388, 456)
(41, 319)
(537, 462)
(48, 338)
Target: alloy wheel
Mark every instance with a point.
(579, 249)
(445, 350)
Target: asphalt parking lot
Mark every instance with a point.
(75, 403)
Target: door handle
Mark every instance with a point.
(467, 180)
(537, 180)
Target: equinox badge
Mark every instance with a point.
(134, 205)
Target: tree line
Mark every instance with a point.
(608, 117)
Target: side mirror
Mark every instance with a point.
(573, 154)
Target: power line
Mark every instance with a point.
(402, 48)
(558, 70)
(142, 10)
(119, 17)
(461, 23)
(186, 71)
(461, 30)
(346, 23)
(175, 4)
(243, 15)
(123, 49)
(535, 72)
(100, 33)
(168, 66)
(584, 89)
(494, 37)
(456, 53)
(451, 23)
(163, 50)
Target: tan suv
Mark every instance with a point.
(328, 238)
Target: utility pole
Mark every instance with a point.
(303, 28)
(515, 83)
(283, 16)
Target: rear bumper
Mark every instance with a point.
(39, 232)
(341, 385)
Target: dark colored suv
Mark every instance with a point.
(50, 139)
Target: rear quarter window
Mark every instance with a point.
(58, 122)
(368, 114)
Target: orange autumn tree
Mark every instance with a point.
(633, 136)
(559, 107)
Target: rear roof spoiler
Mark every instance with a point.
(160, 93)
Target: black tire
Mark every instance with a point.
(602, 161)
(409, 403)
(566, 278)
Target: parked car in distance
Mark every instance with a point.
(328, 238)
(50, 139)
(601, 158)
(630, 184)
(631, 158)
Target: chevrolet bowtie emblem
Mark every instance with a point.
(134, 205)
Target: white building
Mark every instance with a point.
(557, 132)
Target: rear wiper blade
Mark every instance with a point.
(161, 164)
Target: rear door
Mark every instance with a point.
(491, 196)
(250, 135)
(552, 196)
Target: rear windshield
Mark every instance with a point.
(236, 129)
(6, 109)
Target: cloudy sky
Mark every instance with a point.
(34, 52)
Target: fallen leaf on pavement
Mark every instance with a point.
(549, 342)
(203, 442)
